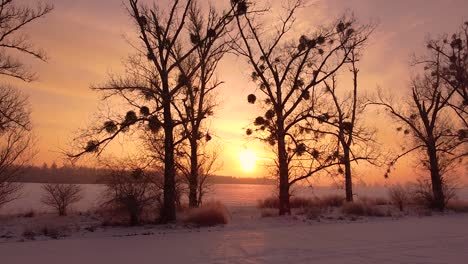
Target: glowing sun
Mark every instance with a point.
(247, 159)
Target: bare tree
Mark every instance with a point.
(207, 164)
(448, 58)
(341, 115)
(61, 196)
(132, 188)
(13, 19)
(426, 119)
(15, 128)
(286, 73)
(200, 101)
(154, 77)
(16, 141)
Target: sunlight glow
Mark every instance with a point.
(247, 159)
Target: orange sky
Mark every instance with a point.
(85, 40)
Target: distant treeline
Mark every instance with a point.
(88, 175)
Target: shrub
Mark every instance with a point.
(29, 213)
(210, 214)
(131, 192)
(398, 196)
(51, 232)
(61, 196)
(29, 234)
(423, 195)
(361, 209)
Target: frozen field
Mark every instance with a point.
(248, 238)
(435, 239)
(228, 194)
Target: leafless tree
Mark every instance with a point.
(61, 196)
(207, 164)
(286, 73)
(16, 141)
(448, 58)
(13, 19)
(133, 188)
(200, 101)
(340, 114)
(154, 77)
(426, 120)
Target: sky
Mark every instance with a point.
(85, 40)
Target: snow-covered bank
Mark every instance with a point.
(249, 239)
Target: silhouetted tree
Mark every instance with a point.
(448, 58)
(426, 119)
(344, 120)
(13, 19)
(15, 127)
(15, 141)
(132, 187)
(61, 196)
(286, 73)
(199, 102)
(154, 83)
(207, 164)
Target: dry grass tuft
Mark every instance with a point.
(294, 202)
(361, 209)
(210, 214)
(458, 206)
(332, 200)
(268, 212)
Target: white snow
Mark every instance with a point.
(251, 239)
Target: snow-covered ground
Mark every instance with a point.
(45, 238)
(252, 239)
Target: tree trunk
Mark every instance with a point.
(193, 177)
(284, 207)
(348, 179)
(436, 179)
(168, 213)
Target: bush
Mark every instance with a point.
(423, 195)
(61, 196)
(399, 196)
(28, 234)
(209, 214)
(361, 209)
(131, 192)
(51, 232)
(29, 213)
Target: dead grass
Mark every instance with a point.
(303, 202)
(458, 206)
(361, 208)
(268, 212)
(332, 200)
(210, 214)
